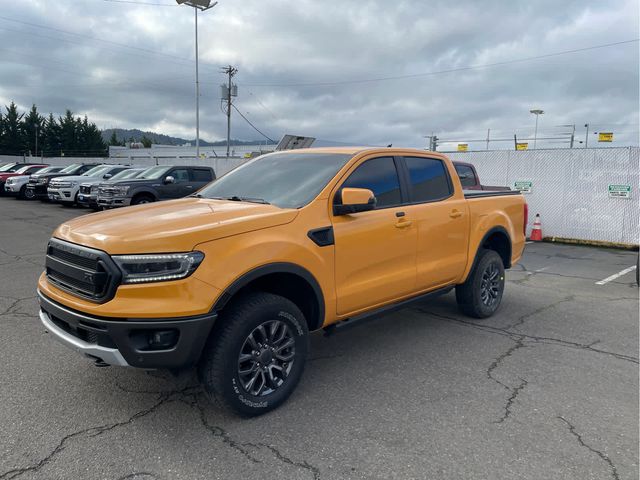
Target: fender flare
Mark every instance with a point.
(497, 229)
(270, 268)
(145, 191)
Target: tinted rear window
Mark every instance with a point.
(201, 175)
(429, 179)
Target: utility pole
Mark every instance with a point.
(586, 135)
(231, 91)
(515, 142)
(36, 154)
(488, 133)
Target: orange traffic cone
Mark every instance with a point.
(536, 231)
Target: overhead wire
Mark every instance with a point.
(439, 72)
(252, 125)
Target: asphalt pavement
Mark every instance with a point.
(545, 389)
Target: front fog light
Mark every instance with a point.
(157, 267)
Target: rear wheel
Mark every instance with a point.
(481, 294)
(256, 354)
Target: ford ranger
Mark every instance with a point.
(233, 278)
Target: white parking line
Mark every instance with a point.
(529, 242)
(616, 275)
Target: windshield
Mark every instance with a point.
(70, 168)
(288, 180)
(23, 169)
(129, 173)
(50, 170)
(153, 172)
(7, 167)
(96, 171)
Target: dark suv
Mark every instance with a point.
(38, 184)
(157, 183)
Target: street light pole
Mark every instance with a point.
(586, 135)
(197, 5)
(537, 112)
(197, 92)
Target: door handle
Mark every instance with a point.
(404, 224)
(189, 186)
(455, 214)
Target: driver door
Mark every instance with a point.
(375, 251)
(177, 189)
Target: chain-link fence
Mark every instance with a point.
(570, 188)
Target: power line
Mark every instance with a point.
(110, 42)
(252, 125)
(439, 72)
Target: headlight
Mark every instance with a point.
(73, 184)
(157, 267)
(120, 190)
(43, 181)
(10, 181)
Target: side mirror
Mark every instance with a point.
(355, 200)
(107, 176)
(169, 179)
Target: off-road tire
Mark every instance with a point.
(218, 369)
(469, 295)
(142, 198)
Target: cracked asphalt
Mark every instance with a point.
(546, 388)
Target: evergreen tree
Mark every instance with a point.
(113, 141)
(91, 143)
(51, 140)
(32, 126)
(12, 135)
(68, 134)
(146, 141)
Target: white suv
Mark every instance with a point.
(18, 185)
(65, 189)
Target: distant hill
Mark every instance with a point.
(158, 138)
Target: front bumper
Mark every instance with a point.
(88, 199)
(10, 188)
(122, 342)
(60, 195)
(39, 191)
(111, 202)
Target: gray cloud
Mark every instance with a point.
(140, 73)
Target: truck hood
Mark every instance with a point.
(172, 226)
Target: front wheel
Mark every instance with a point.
(481, 294)
(256, 354)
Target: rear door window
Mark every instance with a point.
(201, 175)
(428, 178)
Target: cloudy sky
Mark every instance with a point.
(365, 72)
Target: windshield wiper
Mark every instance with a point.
(236, 198)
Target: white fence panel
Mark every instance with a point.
(570, 188)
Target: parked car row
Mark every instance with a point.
(102, 186)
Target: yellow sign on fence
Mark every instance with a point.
(522, 146)
(605, 137)
(463, 147)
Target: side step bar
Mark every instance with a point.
(382, 311)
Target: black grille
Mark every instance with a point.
(82, 271)
(93, 334)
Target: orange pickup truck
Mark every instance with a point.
(233, 278)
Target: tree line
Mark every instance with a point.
(34, 134)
